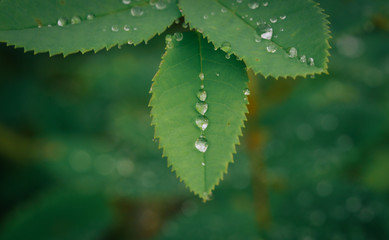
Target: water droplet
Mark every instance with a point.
(202, 95)
(168, 38)
(202, 107)
(90, 17)
(178, 36)
(201, 144)
(202, 86)
(115, 28)
(303, 59)
(126, 2)
(226, 46)
(223, 10)
(257, 38)
(239, 1)
(265, 31)
(177, 21)
(293, 52)
(49, 25)
(202, 122)
(39, 25)
(253, 4)
(217, 74)
(61, 22)
(311, 61)
(265, 4)
(134, 28)
(283, 17)
(246, 92)
(126, 28)
(273, 20)
(75, 20)
(281, 30)
(160, 5)
(203, 163)
(212, 13)
(201, 76)
(137, 11)
(200, 30)
(271, 48)
(228, 56)
(205, 17)
(184, 25)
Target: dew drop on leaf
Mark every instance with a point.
(114, 28)
(201, 144)
(257, 38)
(184, 25)
(246, 92)
(203, 164)
(126, 2)
(271, 48)
(311, 61)
(265, 4)
(217, 74)
(202, 122)
(137, 11)
(201, 76)
(61, 22)
(75, 20)
(160, 5)
(223, 10)
(303, 59)
(265, 31)
(293, 52)
(90, 17)
(228, 56)
(253, 4)
(202, 95)
(283, 17)
(126, 28)
(178, 36)
(226, 46)
(205, 17)
(202, 107)
(273, 20)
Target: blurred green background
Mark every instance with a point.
(78, 160)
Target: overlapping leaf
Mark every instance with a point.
(46, 26)
(173, 110)
(296, 24)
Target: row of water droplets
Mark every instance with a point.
(264, 30)
(201, 121)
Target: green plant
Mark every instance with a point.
(199, 94)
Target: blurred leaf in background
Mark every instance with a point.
(78, 159)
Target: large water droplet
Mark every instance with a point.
(265, 31)
(202, 95)
(61, 22)
(246, 92)
(271, 48)
(253, 4)
(201, 76)
(293, 52)
(202, 122)
(201, 144)
(160, 5)
(202, 107)
(75, 20)
(126, 2)
(178, 36)
(226, 46)
(137, 11)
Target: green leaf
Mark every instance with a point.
(34, 25)
(174, 97)
(296, 24)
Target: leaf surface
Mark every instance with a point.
(173, 102)
(34, 25)
(296, 24)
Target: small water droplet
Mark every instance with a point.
(202, 86)
(126, 28)
(134, 28)
(200, 30)
(292, 52)
(203, 164)
(205, 17)
(114, 28)
(202, 95)
(61, 22)
(273, 20)
(311, 61)
(303, 59)
(283, 17)
(246, 92)
(223, 10)
(217, 74)
(281, 30)
(184, 25)
(49, 25)
(239, 1)
(126, 2)
(75, 20)
(228, 56)
(201, 144)
(202, 122)
(257, 38)
(265, 4)
(201, 76)
(178, 36)
(129, 42)
(137, 11)
(160, 5)
(202, 107)
(212, 13)
(265, 31)
(226, 47)
(39, 25)
(168, 38)
(253, 4)
(90, 17)
(271, 48)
